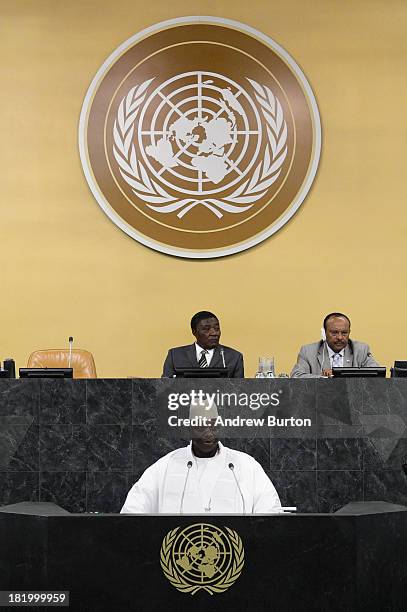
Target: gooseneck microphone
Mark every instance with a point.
(70, 340)
(189, 465)
(223, 357)
(232, 468)
(324, 349)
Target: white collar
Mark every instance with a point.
(331, 353)
(199, 350)
(221, 451)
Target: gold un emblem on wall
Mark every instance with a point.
(202, 557)
(200, 137)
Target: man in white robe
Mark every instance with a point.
(204, 477)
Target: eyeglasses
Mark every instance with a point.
(338, 333)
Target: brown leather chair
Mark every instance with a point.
(82, 361)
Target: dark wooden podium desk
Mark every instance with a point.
(351, 561)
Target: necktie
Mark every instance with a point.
(336, 361)
(202, 360)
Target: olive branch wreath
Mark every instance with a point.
(182, 585)
(158, 199)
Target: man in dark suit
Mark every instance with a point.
(206, 350)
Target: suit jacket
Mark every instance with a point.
(313, 358)
(185, 357)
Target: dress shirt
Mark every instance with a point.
(208, 354)
(331, 354)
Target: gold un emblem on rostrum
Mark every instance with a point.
(202, 557)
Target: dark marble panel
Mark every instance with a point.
(384, 396)
(145, 395)
(109, 401)
(18, 486)
(374, 439)
(145, 423)
(293, 429)
(63, 401)
(258, 448)
(85, 447)
(383, 434)
(149, 446)
(109, 448)
(107, 491)
(376, 396)
(340, 454)
(296, 488)
(19, 401)
(292, 454)
(67, 489)
(385, 423)
(337, 488)
(387, 485)
(398, 399)
(64, 448)
(297, 397)
(339, 407)
(145, 419)
(341, 432)
(149, 440)
(19, 447)
(384, 452)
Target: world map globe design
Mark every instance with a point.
(200, 137)
(200, 132)
(202, 553)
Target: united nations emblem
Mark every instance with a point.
(202, 557)
(200, 137)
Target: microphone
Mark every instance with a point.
(223, 357)
(189, 465)
(232, 467)
(70, 340)
(324, 349)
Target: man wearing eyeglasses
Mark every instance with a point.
(334, 350)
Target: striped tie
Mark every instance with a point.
(202, 360)
(336, 360)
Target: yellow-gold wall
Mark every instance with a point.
(68, 270)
